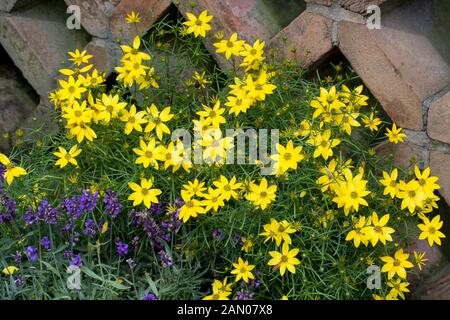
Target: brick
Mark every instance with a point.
(150, 12)
(359, 6)
(38, 41)
(320, 2)
(106, 54)
(405, 154)
(9, 5)
(440, 166)
(308, 40)
(439, 119)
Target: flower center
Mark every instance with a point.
(71, 89)
(284, 258)
(227, 188)
(354, 195)
(144, 191)
(148, 154)
(287, 156)
(263, 194)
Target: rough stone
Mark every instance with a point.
(440, 166)
(320, 2)
(439, 119)
(150, 11)
(17, 100)
(405, 154)
(436, 287)
(308, 40)
(106, 54)
(383, 79)
(8, 5)
(38, 41)
(359, 6)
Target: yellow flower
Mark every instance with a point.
(213, 200)
(420, 259)
(212, 116)
(10, 270)
(94, 79)
(262, 195)
(238, 104)
(198, 25)
(79, 57)
(396, 265)
(191, 208)
(148, 80)
(411, 194)
(330, 176)
(104, 228)
(200, 78)
(230, 47)
(133, 17)
(388, 297)
(357, 235)
(228, 189)
(175, 155)
(221, 290)
(398, 287)
(132, 54)
(351, 192)
(284, 298)
(371, 123)
(390, 183)
(133, 119)
(157, 120)
(194, 188)
(215, 146)
(149, 154)
(242, 270)
(259, 88)
(82, 131)
(78, 113)
(288, 157)
(67, 157)
(378, 231)
(220, 295)
(430, 230)
(427, 184)
(286, 259)
(143, 193)
(247, 244)
(11, 170)
(278, 231)
(71, 90)
(109, 107)
(253, 55)
(395, 136)
(324, 144)
(304, 129)
(346, 121)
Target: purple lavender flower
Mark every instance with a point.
(19, 282)
(150, 296)
(7, 208)
(45, 243)
(122, 248)
(90, 228)
(218, 234)
(75, 261)
(131, 263)
(17, 257)
(173, 224)
(156, 209)
(68, 255)
(31, 216)
(76, 206)
(135, 241)
(47, 213)
(253, 284)
(74, 238)
(244, 295)
(237, 239)
(166, 259)
(113, 206)
(2, 174)
(32, 253)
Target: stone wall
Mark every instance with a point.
(405, 64)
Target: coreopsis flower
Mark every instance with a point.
(395, 135)
(109, 107)
(213, 200)
(157, 120)
(288, 157)
(304, 129)
(79, 58)
(94, 79)
(398, 288)
(212, 116)
(221, 290)
(247, 244)
(253, 55)
(215, 146)
(262, 195)
(133, 18)
(131, 72)
(230, 47)
(356, 234)
(396, 265)
(354, 98)
(286, 259)
(200, 79)
(132, 54)
(371, 122)
(278, 231)
(77, 72)
(327, 104)
(238, 104)
(323, 144)
(351, 192)
(10, 270)
(419, 258)
(378, 231)
(260, 87)
(228, 188)
(193, 188)
(411, 194)
(78, 113)
(242, 270)
(66, 157)
(387, 297)
(390, 183)
(175, 156)
(198, 25)
(148, 80)
(133, 119)
(82, 131)
(427, 184)
(71, 89)
(11, 170)
(430, 230)
(191, 208)
(149, 154)
(144, 193)
(346, 121)
(330, 176)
